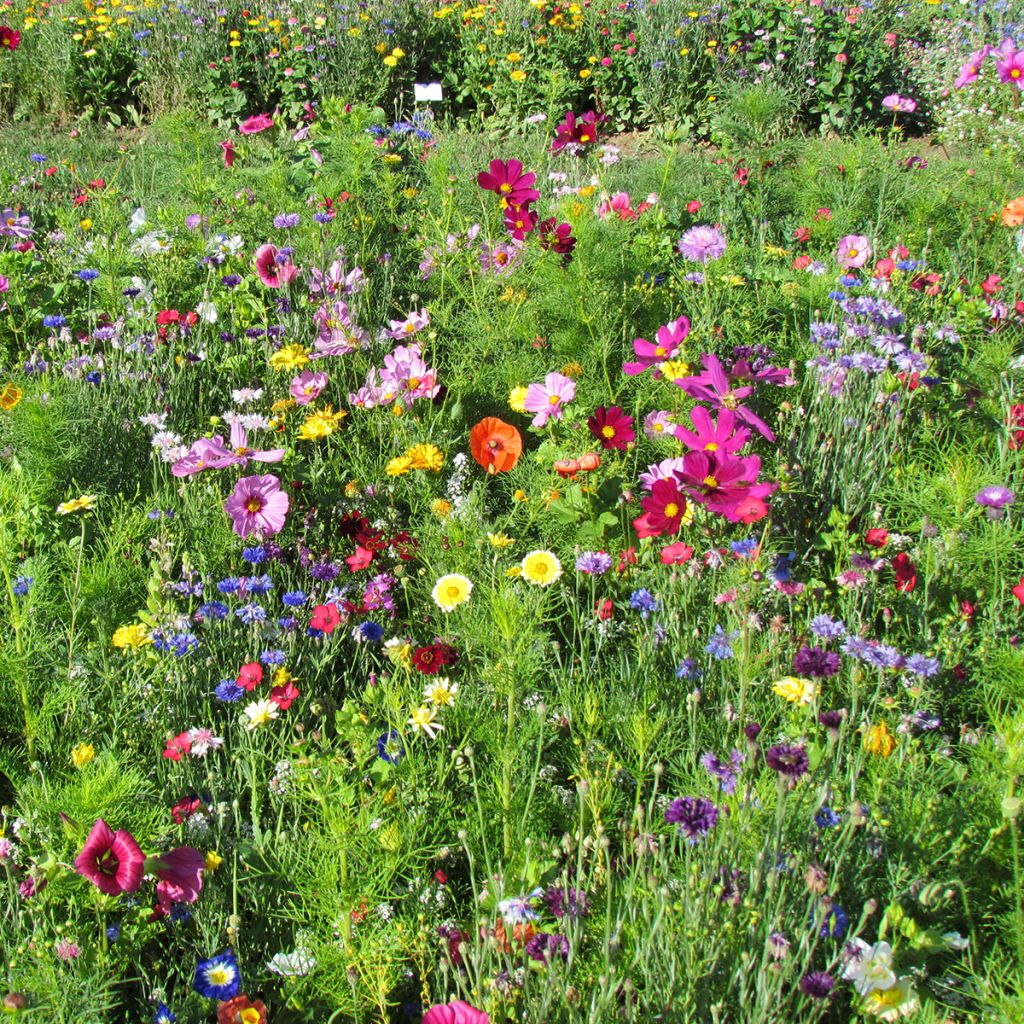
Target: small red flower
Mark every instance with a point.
(360, 560)
(242, 1010)
(177, 747)
(433, 657)
(10, 39)
(876, 538)
(665, 507)
(906, 573)
(605, 609)
(326, 618)
(283, 696)
(676, 554)
(1018, 591)
(612, 427)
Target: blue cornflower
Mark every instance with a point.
(921, 665)
(371, 631)
(182, 644)
(779, 572)
(260, 584)
(324, 571)
(827, 628)
(849, 280)
(164, 1015)
(389, 747)
(643, 601)
(688, 669)
(294, 598)
(22, 584)
(231, 280)
(727, 774)
(93, 377)
(826, 818)
(218, 977)
(114, 931)
(323, 217)
(88, 275)
(250, 613)
(228, 691)
(180, 914)
(883, 656)
(54, 320)
(745, 548)
(834, 925)
(229, 585)
(38, 158)
(273, 657)
(254, 555)
(837, 296)
(720, 645)
(213, 610)
(288, 623)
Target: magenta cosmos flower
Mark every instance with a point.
(665, 347)
(612, 427)
(508, 181)
(257, 505)
(1010, 66)
(274, 269)
(112, 861)
(306, 387)
(457, 1012)
(854, 251)
(547, 399)
(580, 131)
(972, 68)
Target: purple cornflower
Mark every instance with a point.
(789, 761)
(594, 563)
(695, 816)
(286, 220)
(882, 656)
(720, 645)
(727, 774)
(995, 497)
(228, 691)
(827, 628)
(817, 985)
(922, 665)
(702, 244)
(815, 662)
(568, 902)
(544, 947)
(688, 669)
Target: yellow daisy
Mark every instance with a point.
(541, 568)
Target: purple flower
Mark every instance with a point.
(815, 662)
(817, 985)
(702, 244)
(727, 774)
(995, 497)
(695, 816)
(594, 563)
(286, 220)
(789, 761)
(828, 628)
(568, 902)
(544, 947)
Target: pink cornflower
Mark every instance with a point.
(273, 269)
(203, 741)
(853, 252)
(67, 950)
(547, 399)
(306, 387)
(112, 861)
(257, 505)
(851, 579)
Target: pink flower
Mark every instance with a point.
(306, 387)
(399, 330)
(900, 104)
(273, 270)
(257, 505)
(180, 876)
(854, 251)
(619, 203)
(178, 746)
(508, 181)
(547, 399)
(405, 373)
(709, 436)
(668, 341)
(112, 861)
(229, 152)
(256, 124)
(338, 336)
(458, 1012)
(969, 72)
(1012, 69)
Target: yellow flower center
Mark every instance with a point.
(608, 431)
(506, 188)
(710, 481)
(671, 510)
(253, 505)
(711, 446)
(554, 400)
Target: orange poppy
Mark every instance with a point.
(495, 445)
(584, 464)
(1013, 212)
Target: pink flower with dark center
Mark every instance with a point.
(257, 505)
(112, 861)
(256, 124)
(1010, 65)
(273, 269)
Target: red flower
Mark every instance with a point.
(665, 507)
(626, 559)
(360, 560)
(1015, 421)
(1018, 591)
(612, 427)
(180, 876)
(495, 444)
(283, 696)
(693, 206)
(876, 538)
(605, 609)
(9, 38)
(557, 238)
(255, 124)
(676, 554)
(326, 618)
(250, 676)
(112, 861)
(433, 657)
(992, 284)
(229, 152)
(242, 1010)
(509, 182)
(905, 571)
(802, 235)
(177, 747)
(582, 131)
(519, 221)
(185, 808)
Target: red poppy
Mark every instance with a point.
(876, 538)
(495, 444)
(242, 1010)
(250, 676)
(326, 618)
(905, 571)
(676, 554)
(612, 427)
(177, 747)
(665, 507)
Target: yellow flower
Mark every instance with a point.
(398, 651)
(518, 75)
(426, 456)
(585, 73)
(572, 370)
(321, 423)
(500, 540)
(134, 636)
(397, 52)
(520, 495)
(441, 508)
(795, 690)
(391, 61)
(399, 466)
(410, 193)
(513, 572)
(587, 191)
(282, 677)
(892, 1003)
(86, 503)
(674, 370)
(424, 719)
(289, 357)
(82, 754)
(441, 692)
(517, 399)
(450, 591)
(212, 861)
(541, 568)
(878, 740)
(10, 396)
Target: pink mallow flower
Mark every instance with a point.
(112, 861)
(853, 252)
(306, 387)
(547, 399)
(257, 505)
(272, 268)
(457, 1012)
(180, 876)
(256, 124)
(665, 347)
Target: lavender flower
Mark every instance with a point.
(790, 762)
(695, 816)
(702, 244)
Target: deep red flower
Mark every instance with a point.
(519, 221)
(433, 657)
(557, 237)
(1015, 421)
(179, 874)
(876, 538)
(605, 609)
(665, 507)
(326, 618)
(581, 131)
(229, 152)
(283, 696)
(1018, 591)
(612, 427)
(177, 747)
(112, 861)
(10, 39)
(250, 676)
(905, 572)
(185, 808)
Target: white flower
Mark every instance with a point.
(138, 221)
(869, 967)
(243, 395)
(441, 692)
(207, 311)
(259, 713)
(203, 741)
(292, 965)
(424, 719)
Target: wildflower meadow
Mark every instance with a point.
(508, 513)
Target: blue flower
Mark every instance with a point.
(688, 669)
(745, 548)
(54, 320)
(229, 585)
(228, 691)
(294, 598)
(93, 377)
(834, 925)
(371, 631)
(919, 664)
(38, 158)
(826, 818)
(218, 977)
(254, 555)
(274, 657)
(389, 747)
(827, 628)
(260, 584)
(22, 584)
(288, 623)
(779, 572)
(250, 613)
(114, 932)
(88, 275)
(720, 645)
(164, 1015)
(182, 644)
(213, 610)
(643, 601)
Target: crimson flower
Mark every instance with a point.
(431, 658)
(557, 238)
(112, 861)
(726, 484)
(519, 221)
(905, 572)
(581, 131)
(177, 747)
(179, 874)
(256, 124)
(229, 152)
(283, 696)
(1018, 592)
(10, 39)
(665, 508)
(509, 182)
(250, 676)
(876, 538)
(612, 427)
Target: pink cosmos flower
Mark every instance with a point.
(853, 252)
(306, 387)
(709, 436)
(257, 505)
(112, 861)
(658, 424)
(336, 280)
(338, 335)
(899, 104)
(726, 484)
(229, 152)
(507, 180)
(667, 469)
(547, 399)
(273, 269)
(620, 204)
(180, 876)
(399, 330)
(212, 453)
(972, 68)
(715, 387)
(668, 341)
(519, 221)
(581, 131)
(256, 124)
(1010, 66)
(457, 1012)
(407, 374)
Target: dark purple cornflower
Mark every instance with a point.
(727, 774)
(815, 662)
(817, 985)
(324, 571)
(695, 816)
(790, 762)
(568, 902)
(544, 947)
